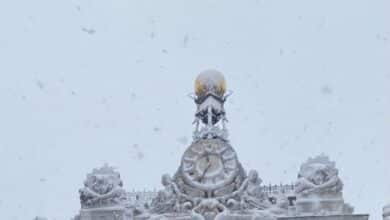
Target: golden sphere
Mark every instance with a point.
(210, 81)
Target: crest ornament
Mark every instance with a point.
(319, 188)
(102, 188)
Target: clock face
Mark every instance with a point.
(209, 164)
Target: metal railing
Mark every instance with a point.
(146, 196)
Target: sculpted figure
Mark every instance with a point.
(209, 208)
(170, 199)
(249, 195)
(102, 188)
(319, 189)
(252, 194)
(318, 176)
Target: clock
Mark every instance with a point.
(210, 164)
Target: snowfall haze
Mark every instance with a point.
(83, 83)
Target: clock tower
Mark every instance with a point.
(209, 167)
(210, 180)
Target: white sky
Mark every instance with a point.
(88, 82)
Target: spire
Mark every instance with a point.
(210, 96)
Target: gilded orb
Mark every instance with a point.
(210, 81)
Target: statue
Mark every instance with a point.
(319, 188)
(250, 194)
(102, 188)
(318, 176)
(209, 208)
(170, 199)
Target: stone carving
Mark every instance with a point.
(386, 212)
(319, 188)
(209, 208)
(318, 176)
(170, 199)
(247, 197)
(209, 168)
(250, 194)
(210, 132)
(102, 188)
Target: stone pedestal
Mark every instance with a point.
(386, 212)
(328, 217)
(324, 205)
(114, 213)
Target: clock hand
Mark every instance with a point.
(205, 170)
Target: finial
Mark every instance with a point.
(210, 82)
(210, 96)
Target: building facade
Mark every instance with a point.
(210, 182)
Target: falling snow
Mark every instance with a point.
(89, 31)
(82, 81)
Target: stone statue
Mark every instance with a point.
(170, 199)
(102, 188)
(250, 193)
(319, 188)
(318, 176)
(209, 208)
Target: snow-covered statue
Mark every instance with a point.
(253, 194)
(170, 199)
(319, 188)
(250, 195)
(102, 188)
(318, 176)
(386, 212)
(209, 208)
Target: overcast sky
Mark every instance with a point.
(84, 82)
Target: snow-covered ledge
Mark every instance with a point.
(386, 212)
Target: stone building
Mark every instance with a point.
(210, 182)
